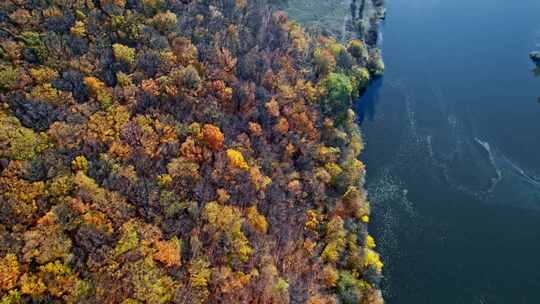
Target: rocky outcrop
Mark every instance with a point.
(366, 17)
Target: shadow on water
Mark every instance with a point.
(536, 73)
(365, 106)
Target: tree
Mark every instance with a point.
(337, 90)
(124, 53)
(236, 159)
(9, 272)
(213, 137)
(18, 142)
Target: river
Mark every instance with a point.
(452, 136)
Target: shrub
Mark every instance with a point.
(330, 275)
(335, 240)
(258, 179)
(32, 285)
(46, 243)
(375, 63)
(12, 297)
(150, 282)
(282, 286)
(312, 221)
(370, 242)
(124, 80)
(46, 93)
(60, 186)
(359, 78)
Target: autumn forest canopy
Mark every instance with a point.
(175, 151)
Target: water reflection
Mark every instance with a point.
(366, 105)
(536, 73)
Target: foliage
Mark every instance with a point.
(372, 259)
(228, 222)
(43, 74)
(337, 89)
(79, 29)
(335, 240)
(168, 252)
(282, 286)
(8, 77)
(18, 142)
(99, 91)
(350, 288)
(180, 152)
(257, 220)
(213, 137)
(124, 53)
(150, 283)
(37, 50)
(164, 21)
(129, 239)
(9, 272)
(358, 49)
(187, 77)
(80, 163)
(236, 159)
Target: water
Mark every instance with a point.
(453, 152)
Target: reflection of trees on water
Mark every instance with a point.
(535, 58)
(536, 73)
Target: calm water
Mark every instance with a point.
(453, 152)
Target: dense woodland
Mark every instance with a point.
(177, 151)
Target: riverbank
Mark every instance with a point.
(360, 22)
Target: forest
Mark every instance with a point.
(180, 151)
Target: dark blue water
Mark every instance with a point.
(453, 152)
